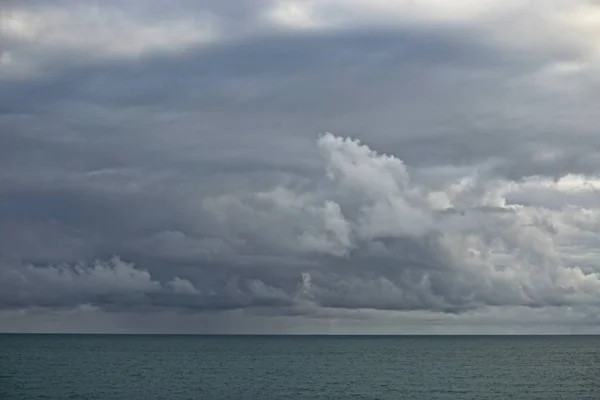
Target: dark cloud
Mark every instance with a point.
(203, 166)
(377, 243)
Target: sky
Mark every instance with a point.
(309, 166)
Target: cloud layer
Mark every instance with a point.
(372, 237)
(174, 162)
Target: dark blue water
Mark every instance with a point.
(298, 367)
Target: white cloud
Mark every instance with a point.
(318, 14)
(104, 32)
(497, 253)
(38, 36)
(561, 26)
(44, 35)
(294, 15)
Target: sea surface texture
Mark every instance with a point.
(298, 367)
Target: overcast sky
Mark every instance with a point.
(310, 166)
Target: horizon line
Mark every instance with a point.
(294, 334)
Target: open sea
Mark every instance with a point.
(136, 367)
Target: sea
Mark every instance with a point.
(136, 367)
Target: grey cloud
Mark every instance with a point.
(200, 168)
(270, 97)
(248, 74)
(446, 262)
(118, 286)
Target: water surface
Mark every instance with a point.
(298, 367)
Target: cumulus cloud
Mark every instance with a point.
(449, 249)
(53, 285)
(116, 285)
(182, 138)
(383, 244)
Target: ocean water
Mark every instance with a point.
(298, 367)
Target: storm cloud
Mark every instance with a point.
(280, 166)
